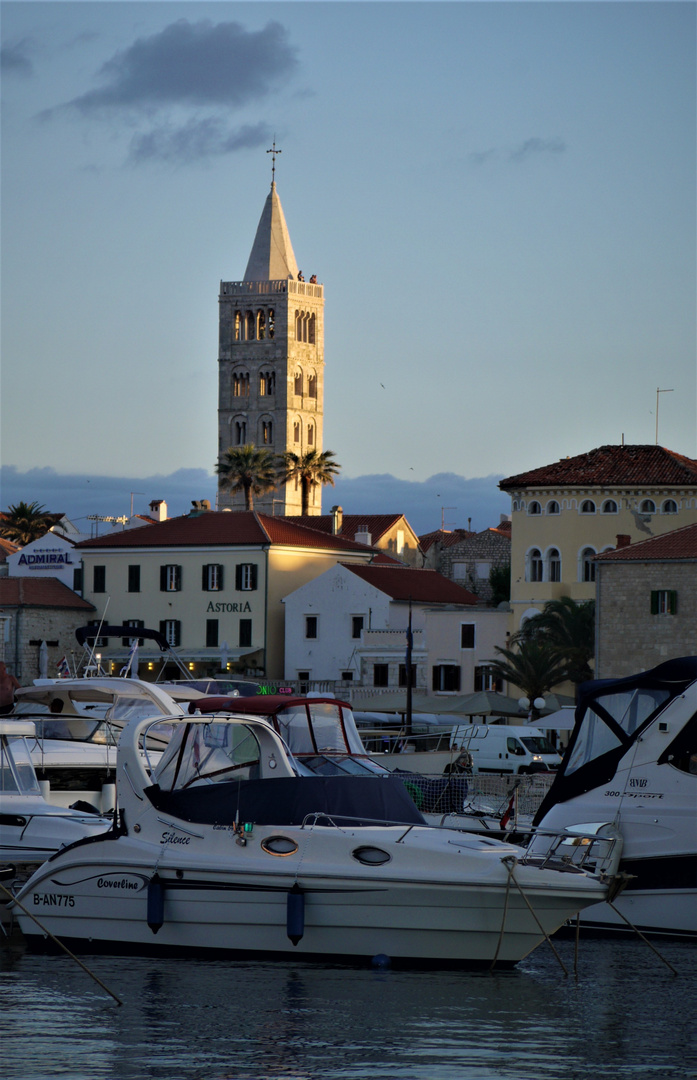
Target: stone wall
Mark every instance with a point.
(24, 625)
(470, 561)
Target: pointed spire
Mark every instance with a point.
(272, 255)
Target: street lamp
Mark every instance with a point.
(529, 707)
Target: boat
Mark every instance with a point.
(632, 760)
(229, 845)
(31, 829)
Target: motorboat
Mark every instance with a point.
(31, 829)
(228, 844)
(77, 723)
(632, 760)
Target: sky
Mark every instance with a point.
(499, 199)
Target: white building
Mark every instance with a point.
(52, 555)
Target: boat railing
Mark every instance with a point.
(595, 847)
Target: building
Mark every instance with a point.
(646, 602)
(212, 582)
(566, 513)
(34, 610)
(52, 555)
(469, 557)
(271, 359)
(349, 625)
(388, 533)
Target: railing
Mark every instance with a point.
(266, 288)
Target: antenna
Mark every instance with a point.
(273, 151)
(657, 393)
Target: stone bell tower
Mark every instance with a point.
(271, 359)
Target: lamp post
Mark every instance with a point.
(531, 707)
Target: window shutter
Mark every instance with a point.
(177, 632)
(253, 576)
(654, 602)
(178, 578)
(163, 580)
(673, 602)
(238, 576)
(221, 577)
(163, 627)
(204, 578)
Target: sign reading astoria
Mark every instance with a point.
(220, 606)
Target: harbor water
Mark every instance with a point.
(624, 1014)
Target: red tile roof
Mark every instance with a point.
(40, 592)
(679, 544)
(421, 586)
(622, 466)
(445, 537)
(225, 529)
(375, 524)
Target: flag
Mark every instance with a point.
(63, 669)
(508, 813)
(131, 668)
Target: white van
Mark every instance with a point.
(500, 748)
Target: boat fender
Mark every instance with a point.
(295, 914)
(381, 961)
(156, 903)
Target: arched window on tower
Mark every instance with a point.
(250, 326)
(311, 329)
(238, 327)
(240, 431)
(261, 325)
(240, 384)
(272, 322)
(312, 386)
(310, 435)
(267, 384)
(298, 326)
(267, 432)
(298, 384)
(296, 431)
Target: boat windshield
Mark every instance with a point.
(207, 753)
(17, 774)
(336, 765)
(612, 720)
(319, 726)
(73, 729)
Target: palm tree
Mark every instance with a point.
(25, 522)
(251, 469)
(569, 629)
(532, 665)
(311, 469)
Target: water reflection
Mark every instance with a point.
(261, 1021)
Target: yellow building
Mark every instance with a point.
(565, 513)
(211, 582)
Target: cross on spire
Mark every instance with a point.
(273, 151)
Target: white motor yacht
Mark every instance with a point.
(632, 760)
(229, 845)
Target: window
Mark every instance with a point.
(347, 676)
(381, 675)
(311, 329)
(245, 637)
(312, 386)
(534, 508)
(170, 578)
(246, 577)
(466, 635)
(648, 506)
(310, 435)
(534, 565)
(403, 675)
(482, 570)
(261, 325)
(267, 432)
(267, 383)
(446, 677)
(250, 320)
(357, 626)
(134, 579)
(98, 642)
(136, 624)
(238, 326)
(485, 678)
(553, 507)
(172, 630)
(310, 626)
(303, 681)
(77, 579)
(587, 506)
(609, 507)
(553, 565)
(272, 322)
(240, 432)
(240, 384)
(669, 507)
(664, 602)
(296, 432)
(211, 633)
(587, 568)
(99, 579)
(212, 577)
(298, 384)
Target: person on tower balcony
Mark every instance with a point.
(313, 279)
(300, 276)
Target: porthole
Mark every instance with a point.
(371, 856)
(279, 845)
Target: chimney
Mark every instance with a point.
(623, 540)
(337, 520)
(158, 509)
(364, 538)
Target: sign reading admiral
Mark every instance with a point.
(41, 558)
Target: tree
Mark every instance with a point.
(251, 469)
(500, 582)
(532, 665)
(25, 522)
(311, 469)
(569, 629)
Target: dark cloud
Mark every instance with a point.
(14, 59)
(194, 64)
(531, 147)
(424, 503)
(195, 140)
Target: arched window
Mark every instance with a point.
(310, 435)
(272, 322)
(267, 383)
(261, 325)
(587, 506)
(648, 506)
(240, 384)
(553, 565)
(238, 326)
(534, 567)
(298, 384)
(516, 504)
(240, 432)
(553, 507)
(534, 508)
(267, 432)
(250, 326)
(311, 329)
(296, 431)
(609, 507)
(312, 386)
(669, 507)
(586, 567)
(298, 326)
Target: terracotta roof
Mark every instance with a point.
(421, 586)
(40, 592)
(622, 466)
(375, 524)
(225, 529)
(679, 544)
(505, 529)
(445, 537)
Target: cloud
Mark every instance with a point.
(193, 64)
(444, 497)
(194, 140)
(535, 146)
(14, 59)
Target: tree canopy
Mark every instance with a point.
(249, 468)
(568, 629)
(25, 522)
(311, 469)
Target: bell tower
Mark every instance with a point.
(271, 359)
